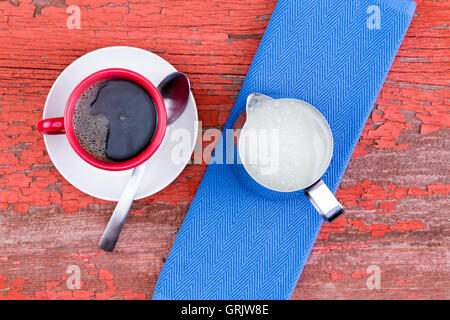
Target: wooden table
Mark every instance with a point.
(396, 188)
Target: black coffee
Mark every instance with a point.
(115, 120)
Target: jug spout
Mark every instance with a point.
(256, 98)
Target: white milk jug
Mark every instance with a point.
(286, 145)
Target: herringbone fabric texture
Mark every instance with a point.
(240, 243)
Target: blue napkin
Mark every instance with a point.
(239, 243)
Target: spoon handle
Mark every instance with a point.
(117, 220)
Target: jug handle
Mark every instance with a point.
(324, 201)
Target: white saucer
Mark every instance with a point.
(161, 171)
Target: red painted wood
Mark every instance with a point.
(395, 189)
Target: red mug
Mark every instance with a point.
(64, 125)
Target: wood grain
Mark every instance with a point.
(396, 189)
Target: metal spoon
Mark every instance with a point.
(175, 90)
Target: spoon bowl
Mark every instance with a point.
(175, 89)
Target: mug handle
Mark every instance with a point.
(52, 126)
(324, 201)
